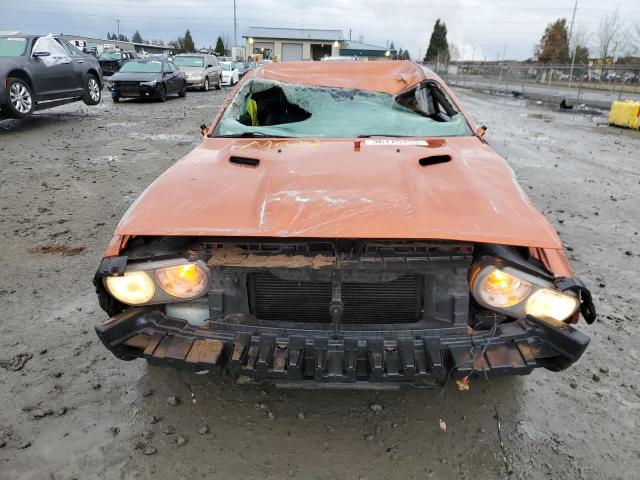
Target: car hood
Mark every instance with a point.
(135, 77)
(341, 188)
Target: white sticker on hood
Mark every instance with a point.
(396, 141)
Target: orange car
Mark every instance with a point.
(341, 222)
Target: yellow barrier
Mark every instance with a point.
(625, 114)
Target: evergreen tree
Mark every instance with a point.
(220, 47)
(554, 44)
(438, 46)
(137, 38)
(188, 47)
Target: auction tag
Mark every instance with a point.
(395, 141)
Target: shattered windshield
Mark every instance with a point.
(145, 66)
(189, 61)
(269, 108)
(12, 46)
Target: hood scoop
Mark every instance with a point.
(434, 160)
(245, 161)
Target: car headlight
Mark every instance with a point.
(517, 294)
(182, 281)
(159, 282)
(132, 288)
(152, 83)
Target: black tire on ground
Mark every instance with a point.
(115, 99)
(219, 85)
(205, 85)
(92, 90)
(20, 103)
(162, 92)
(183, 92)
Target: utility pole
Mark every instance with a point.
(575, 47)
(118, 22)
(235, 25)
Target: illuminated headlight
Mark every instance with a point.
(150, 84)
(518, 294)
(159, 282)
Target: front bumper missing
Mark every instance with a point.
(514, 349)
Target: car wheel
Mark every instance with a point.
(205, 87)
(115, 99)
(219, 85)
(183, 92)
(92, 92)
(21, 102)
(162, 92)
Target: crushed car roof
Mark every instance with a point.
(381, 76)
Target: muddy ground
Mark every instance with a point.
(69, 410)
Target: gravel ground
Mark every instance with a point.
(71, 410)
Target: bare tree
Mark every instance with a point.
(454, 53)
(609, 35)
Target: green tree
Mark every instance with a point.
(582, 55)
(554, 44)
(220, 46)
(177, 45)
(188, 42)
(137, 38)
(438, 46)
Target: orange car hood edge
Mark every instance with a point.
(329, 189)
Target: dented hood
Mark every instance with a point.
(341, 189)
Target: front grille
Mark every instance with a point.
(276, 299)
(129, 88)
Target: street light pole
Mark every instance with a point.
(235, 25)
(575, 47)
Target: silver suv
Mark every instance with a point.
(201, 70)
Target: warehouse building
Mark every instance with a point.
(101, 44)
(366, 50)
(288, 44)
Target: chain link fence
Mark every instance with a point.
(594, 86)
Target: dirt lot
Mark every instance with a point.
(75, 412)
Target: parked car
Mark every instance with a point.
(111, 61)
(339, 58)
(148, 79)
(242, 68)
(200, 70)
(341, 222)
(38, 72)
(230, 73)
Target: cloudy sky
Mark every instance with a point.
(479, 28)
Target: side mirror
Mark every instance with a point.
(41, 53)
(210, 65)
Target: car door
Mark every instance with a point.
(217, 70)
(174, 80)
(76, 82)
(50, 78)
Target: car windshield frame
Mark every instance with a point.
(13, 40)
(117, 56)
(334, 112)
(134, 66)
(198, 57)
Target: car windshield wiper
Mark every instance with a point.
(250, 135)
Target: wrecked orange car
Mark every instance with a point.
(341, 222)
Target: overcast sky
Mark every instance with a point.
(479, 28)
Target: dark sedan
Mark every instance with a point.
(152, 78)
(38, 72)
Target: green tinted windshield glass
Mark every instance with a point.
(266, 107)
(150, 66)
(12, 46)
(110, 56)
(189, 61)
(226, 66)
